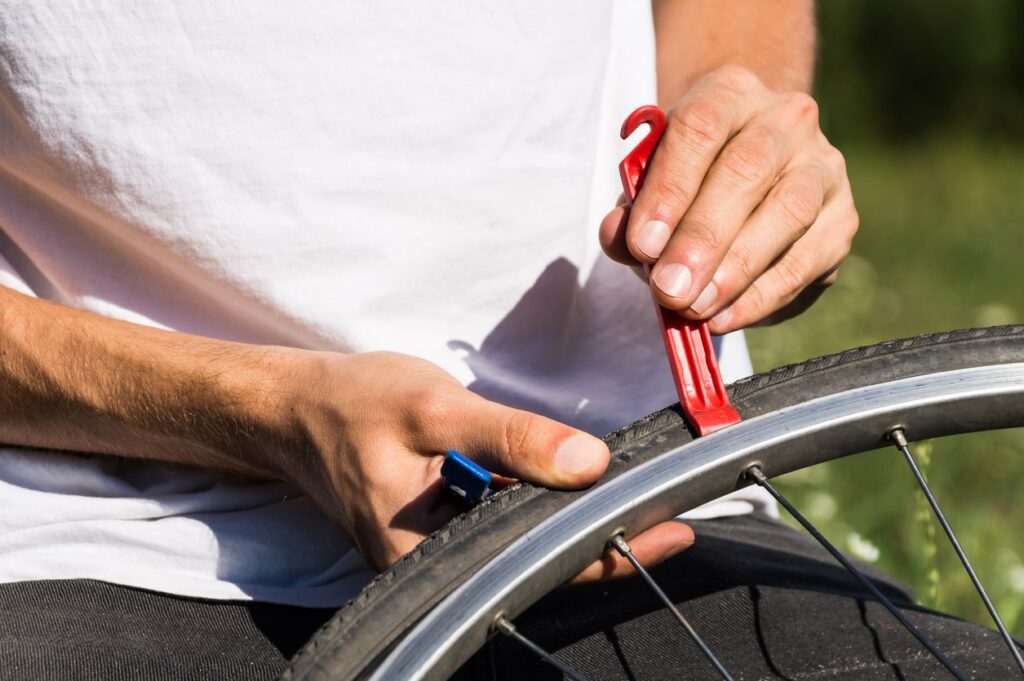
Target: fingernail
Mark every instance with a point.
(706, 299)
(673, 280)
(652, 238)
(579, 453)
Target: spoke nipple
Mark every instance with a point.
(619, 544)
(898, 437)
(757, 474)
(502, 625)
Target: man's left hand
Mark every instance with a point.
(746, 211)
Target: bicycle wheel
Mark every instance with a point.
(430, 611)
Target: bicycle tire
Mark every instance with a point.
(371, 624)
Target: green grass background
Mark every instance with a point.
(926, 99)
(941, 246)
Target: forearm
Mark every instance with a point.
(78, 381)
(773, 38)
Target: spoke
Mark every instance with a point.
(509, 629)
(899, 439)
(758, 476)
(622, 547)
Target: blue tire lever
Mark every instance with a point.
(465, 478)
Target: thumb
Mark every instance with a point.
(519, 444)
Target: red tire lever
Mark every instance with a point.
(691, 355)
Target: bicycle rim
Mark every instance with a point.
(802, 415)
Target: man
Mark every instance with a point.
(253, 255)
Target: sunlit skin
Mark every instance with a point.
(753, 199)
(746, 211)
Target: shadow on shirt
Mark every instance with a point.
(588, 355)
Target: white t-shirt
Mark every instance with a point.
(426, 178)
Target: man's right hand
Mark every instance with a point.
(379, 425)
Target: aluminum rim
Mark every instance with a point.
(788, 439)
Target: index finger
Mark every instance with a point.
(697, 129)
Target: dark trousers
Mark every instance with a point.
(766, 599)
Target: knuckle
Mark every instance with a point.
(844, 247)
(673, 192)
(849, 231)
(797, 203)
(699, 124)
(430, 406)
(835, 159)
(844, 229)
(756, 302)
(791, 278)
(853, 225)
(701, 233)
(803, 106)
(744, 265)
(736, 77)
(749, 161)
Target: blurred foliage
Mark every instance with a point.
(926, 99)
(901, 72)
